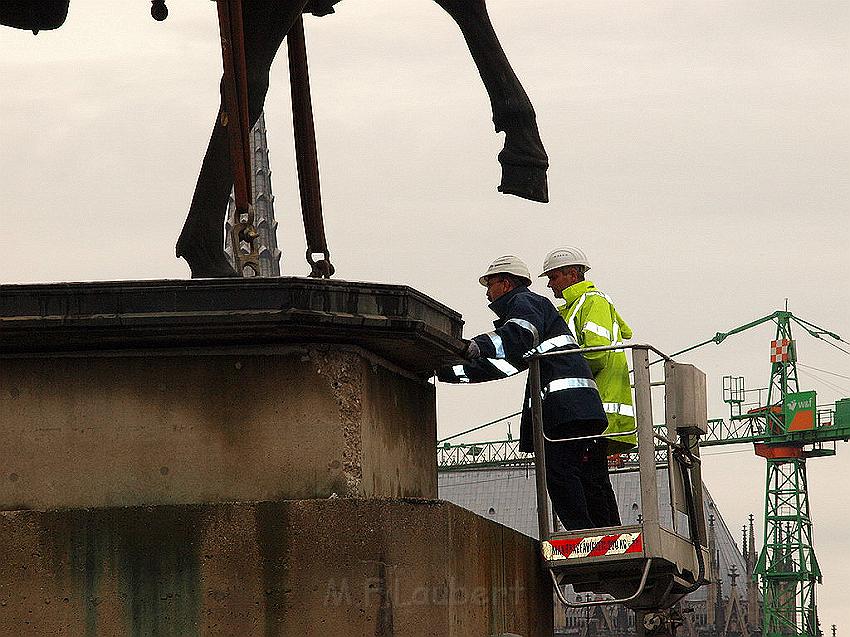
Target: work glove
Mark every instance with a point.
(446, 375)
(472, 352)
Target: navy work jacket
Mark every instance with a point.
(528, 323)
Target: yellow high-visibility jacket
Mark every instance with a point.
(594, 322)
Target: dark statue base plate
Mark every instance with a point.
(395, 322)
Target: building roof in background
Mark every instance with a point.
(508, 496)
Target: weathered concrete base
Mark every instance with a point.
(162, 441)
(183, 392)
(211, 426)
(338, 567)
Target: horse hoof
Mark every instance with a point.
(528, 182)
(207, 266)
(212, 272)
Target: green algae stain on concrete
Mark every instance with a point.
(76, 550)
(159, 570)
(272, 530)
(86, 559)
(143, 561)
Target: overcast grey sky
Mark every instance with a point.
(700, 153)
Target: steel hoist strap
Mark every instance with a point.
(235, 118)
(306, 156)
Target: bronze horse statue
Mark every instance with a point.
(266, 23)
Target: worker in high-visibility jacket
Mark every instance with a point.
(595, 322)
(572, 411)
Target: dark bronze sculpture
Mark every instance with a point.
(266, 23)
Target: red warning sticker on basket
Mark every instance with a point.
(592, 546)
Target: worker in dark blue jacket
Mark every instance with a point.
(572, 407)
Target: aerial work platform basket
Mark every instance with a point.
(650, 565)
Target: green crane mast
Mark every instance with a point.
(787, 429)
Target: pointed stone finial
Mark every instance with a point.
(751, 549)
(261, 185)
(734, 575)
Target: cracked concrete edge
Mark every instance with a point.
(343, 371)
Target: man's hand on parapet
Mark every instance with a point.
(445, 375)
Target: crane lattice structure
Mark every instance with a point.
(787, 429)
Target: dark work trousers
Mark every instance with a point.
(597, 485)
(578, 484)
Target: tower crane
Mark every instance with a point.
(787, 429)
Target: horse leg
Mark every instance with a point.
(523, 158)
(265, 24)
(200, 241)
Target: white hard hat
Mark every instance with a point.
(507, 264)
(563, 257)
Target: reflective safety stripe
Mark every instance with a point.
(503, 366)
(497, 344)
(556, 341)
(564, 340)
(570, 383)
(597, 329)
(460, 372)
(616, 340)
(535, 335)
(619, 408)
(598, 293)
(571, 321)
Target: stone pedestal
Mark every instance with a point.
(209, 391)
(192, 458)
(297, 568)
(296, 422)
